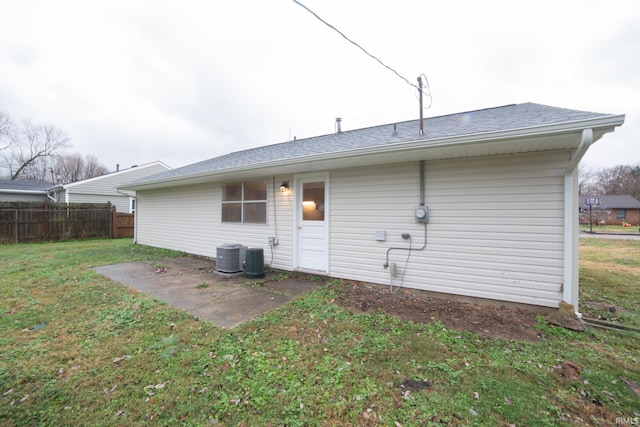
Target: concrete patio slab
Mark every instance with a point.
(193, 285)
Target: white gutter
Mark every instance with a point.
(37, 192)
(585, 143)
(571, 239)
(54, 190)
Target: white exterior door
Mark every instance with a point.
(312, 218)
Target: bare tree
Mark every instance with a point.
(31, 147)
(73, 167)
(617, 180)
(6, 127)
(92, 167)
(587, 180)
(67, 168)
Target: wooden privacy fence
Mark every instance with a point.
(123, 224)
(35, 222)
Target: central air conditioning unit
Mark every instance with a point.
(230, 257)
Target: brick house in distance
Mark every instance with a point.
(613, 210)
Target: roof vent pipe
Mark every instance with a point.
(338, 124)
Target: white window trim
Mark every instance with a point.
(242, 202)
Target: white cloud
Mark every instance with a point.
(133, 82)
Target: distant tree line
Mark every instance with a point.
(37, 152)
(616, 180)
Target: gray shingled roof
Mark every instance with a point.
(498, 119)
(27, 186)
(624, 201)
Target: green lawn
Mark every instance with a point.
(610, 229)
(78, 349)
(610, 280)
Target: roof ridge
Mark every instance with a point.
(403, 122)
(500, 120)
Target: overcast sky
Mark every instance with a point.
(132, 82)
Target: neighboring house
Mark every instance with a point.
(104, 188)
(500, 185)
(23, 191)
(611, 210)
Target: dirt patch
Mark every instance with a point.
(602, 306)
(191, 283)
(490, 320)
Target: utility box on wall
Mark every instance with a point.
(422, 214)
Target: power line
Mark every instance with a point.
(354, 43)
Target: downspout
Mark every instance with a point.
(135, 222)
(571, 238)
(585, 143)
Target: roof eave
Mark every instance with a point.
(115, 173)
(603, 124)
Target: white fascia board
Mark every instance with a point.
(608, 122)
(39, 192)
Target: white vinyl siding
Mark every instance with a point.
(363, 201)
(189, 219)
(22, 197)
(180, 218)
(120, 202)
(495, 226)
(103, 189)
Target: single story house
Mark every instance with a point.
(610, 210)
(104, 188)
(481, 203)
(23, 191)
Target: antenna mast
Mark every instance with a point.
(421, 118)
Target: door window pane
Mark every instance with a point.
(313, 201)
